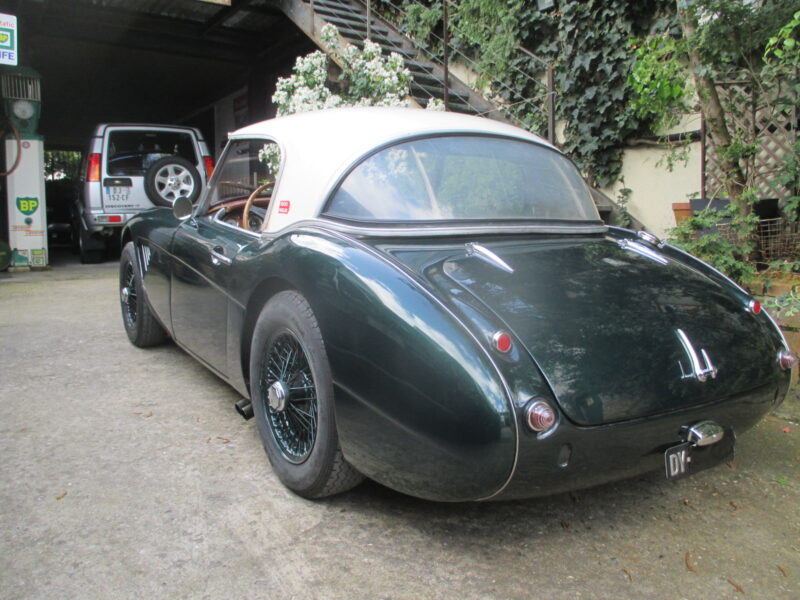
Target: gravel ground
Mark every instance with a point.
(126, 473)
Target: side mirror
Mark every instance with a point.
(182, 208)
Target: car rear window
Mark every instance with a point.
(455, 178)
(132, 152)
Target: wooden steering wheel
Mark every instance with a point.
(249, 203)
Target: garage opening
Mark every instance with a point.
(206, 64)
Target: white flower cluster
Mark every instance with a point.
(435, 104)
(368, 78)
(270, 155)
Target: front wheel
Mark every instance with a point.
(292, 395)
(141, 325)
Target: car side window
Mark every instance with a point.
(248, 169)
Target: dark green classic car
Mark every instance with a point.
(431, 301)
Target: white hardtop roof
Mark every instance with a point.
(317, 147)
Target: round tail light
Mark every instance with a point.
(754, 306)
(787, 360)
(539, 415)
(502, 341)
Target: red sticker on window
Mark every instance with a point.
(283, 207)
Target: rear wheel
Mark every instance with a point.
(292, 394)
(140, 324)
(91, 249)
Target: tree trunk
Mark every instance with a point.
(732, 174)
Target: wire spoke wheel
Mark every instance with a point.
(128, 295)
(290, 398)
(141, 325)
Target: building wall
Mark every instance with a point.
(654, 187)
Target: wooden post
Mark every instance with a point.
(446, 43)
(369, 19)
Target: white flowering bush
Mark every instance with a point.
(368, 78)
(435, 104)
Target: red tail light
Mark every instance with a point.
(93, 168)
(539, 415)
(754, 306)
(787, 360)
(209, 163)
(502, 341)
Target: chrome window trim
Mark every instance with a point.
(436, 230)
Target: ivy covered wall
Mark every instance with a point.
(587, 41)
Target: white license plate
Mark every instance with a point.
(117, 195)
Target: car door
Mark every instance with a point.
(206, 249)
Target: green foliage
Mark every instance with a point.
(659, 82)
(723, 238)
(493, 27)
(624, 218)
(62, 164)
(421, 21)
(782, 63)
(734, 32)
(587, 43)
(786, 305)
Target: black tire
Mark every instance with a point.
(298, 430)
(170, 178)
(91, 249)
(140, 324)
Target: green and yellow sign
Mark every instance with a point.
(27, 206)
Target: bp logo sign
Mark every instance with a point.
(27, 206)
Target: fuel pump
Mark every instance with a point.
(20, 91)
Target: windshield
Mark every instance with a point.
(463, 178)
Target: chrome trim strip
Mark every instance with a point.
(218, 259)
(486, 255)
(449, 230)
(642, 250)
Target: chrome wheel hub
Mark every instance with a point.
(125, 294)
(278, 394)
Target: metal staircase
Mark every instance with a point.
(356, 23)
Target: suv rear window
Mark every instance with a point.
(132, 152)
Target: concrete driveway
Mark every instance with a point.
(126, 473)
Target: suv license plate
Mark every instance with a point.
(117, 194)
(686, 459)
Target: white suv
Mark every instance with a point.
(130, 168)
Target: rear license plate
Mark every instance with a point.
(117, 195)
(686, 459)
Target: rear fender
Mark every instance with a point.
(420, 405)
